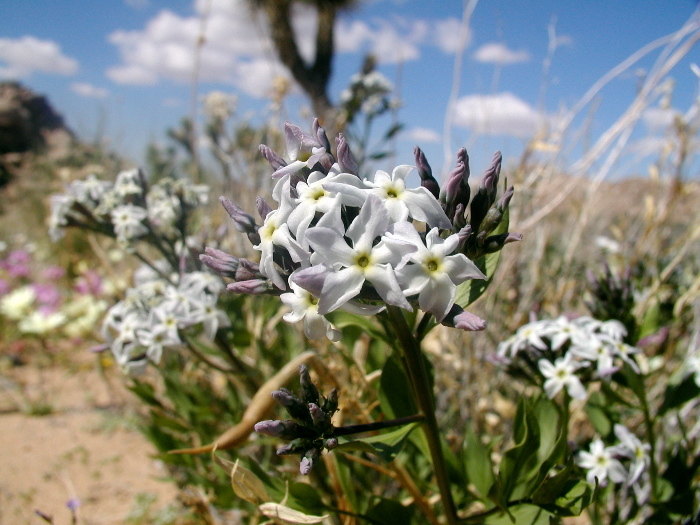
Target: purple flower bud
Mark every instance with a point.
(275, 160)
(297, 446)
(263, 207)
(251, 287)
(469, 322)
(221, 262)
(284, 429)
(317, 415)
(504, 201)
(285, 398)
(244, 222)
(309, 392)
(307, 461)
(457, 317)
(320, 135)
(496, 242)
(346, 160)
(247, 270)
(330, 404)
(425, 172)
(331, 443)
(73, 504)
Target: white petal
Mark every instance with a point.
(338, 288)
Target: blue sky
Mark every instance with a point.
(122, 69)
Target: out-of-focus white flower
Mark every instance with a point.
(128, 222)
(18, 303)
(561, 374)
(39, 323)
(601, 464)
(631, 446)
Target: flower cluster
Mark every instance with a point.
(128, 209)
(31, 298)
(310, 430)
(340, 241)
(368, 93)
(625, 462)
(159, 312)
(566, 353)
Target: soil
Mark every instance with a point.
(85, 448)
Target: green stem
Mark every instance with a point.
(649, 426)
(415, 365)
(378, 425)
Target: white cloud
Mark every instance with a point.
(497, 53)
(500, 114)
(447, 34)
(27, 55)
(421, 135)
(88, 90)
(238, 51)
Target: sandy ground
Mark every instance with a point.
(85, 449)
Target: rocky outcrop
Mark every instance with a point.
(29, 123)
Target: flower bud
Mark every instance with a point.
(247, 271)
(425, 172)
(346, 160)
(317, 415)
(221, 262)
(275, 160)
(331, 443)
(294, 406)
(284, 429)
(307, 461)
(296, 446)
(320, 135)
(263, 207)
(330, 404)
(496, 242)
(251, 287)
(457, 317)
(244, 222)
(309, 392)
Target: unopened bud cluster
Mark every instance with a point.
(310, 429)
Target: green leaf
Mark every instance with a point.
(341, 319)
(386, 446)
(520, 515)
(395, 394)
(575, 497)
(393, 130)
(598, 415)
(678, 394)
(477, 463)
(389, 512)
(520, 464)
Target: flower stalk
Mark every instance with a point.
(415, 366)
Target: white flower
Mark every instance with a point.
(529, 335)
(305, 306)
(127, 221)
(601, 464)
(561, 374)
(402, 203)
(18, 303)
(435, 273)
(41, 324)
(275, 232)
(631, 447)
(350, 266)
